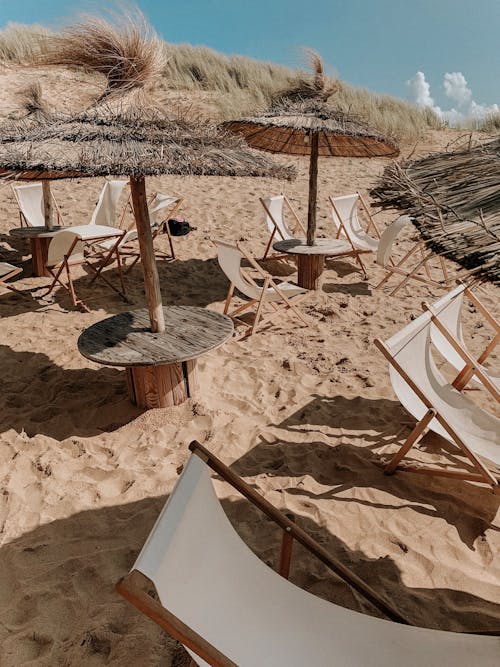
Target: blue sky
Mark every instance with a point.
(379, 44)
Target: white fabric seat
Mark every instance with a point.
(209, 580)
(230, 256)
(277, 226)
(457, 419)
(29, 198)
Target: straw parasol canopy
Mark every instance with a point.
(454, 200)
(124, 139)
(301, 122)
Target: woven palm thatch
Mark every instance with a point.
(454, 199)
(286, 127)
(130, 142)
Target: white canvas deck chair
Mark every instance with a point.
(439, 407)
(8, 271)
(229, 609)
(276, 224)
(278, 297)
(161, 208)
(399, 267)
(348, 225)
(447, 337)
(105, 209)
(67, 250)
(30, 201)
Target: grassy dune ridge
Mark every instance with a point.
(241, 85)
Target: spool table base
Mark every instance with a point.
(161, 386)
(310, 269)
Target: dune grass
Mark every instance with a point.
(239, 85)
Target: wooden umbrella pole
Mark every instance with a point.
(313, 189)
(47, 204)
(148, 261)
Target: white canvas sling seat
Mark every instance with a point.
(161, 207)
(447, 338)
(105, 209)
(67, 249)
(29, 198)
(276, 224)
(397, 267)
(347, 224)
(228, 608)
(438, 406)
(276, 297)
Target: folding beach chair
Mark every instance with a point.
(282, 297)
(8, 271)
(161, 208)
(439, 407)
(393, 266)
(67, 250)
(30, 201)
(348, 225)
(198, 580)
(276, 223)
(105, 209)
(447, 338)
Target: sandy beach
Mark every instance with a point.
(302, 414)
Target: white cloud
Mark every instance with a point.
(456, 89)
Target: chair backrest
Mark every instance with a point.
(60, 245)
(410, 348)
(449, 308)
(273, 207)
(208, 578)
(105, 210)
(30, 200)
(229, 257)
(157, 207)
(345, 217)
(388, 237)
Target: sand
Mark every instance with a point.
(304, 415)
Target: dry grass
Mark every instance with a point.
(239, 85)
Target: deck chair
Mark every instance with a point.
(447, 338)
(161, 208)
(398, 267)
(439, 407)
(30, 201)
(105, 209)
(199, 581)
(67, 250)
(276, 223)
(8, 271)
(348, 225)
(279, 297)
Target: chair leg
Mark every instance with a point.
(259, 306)
(412, 440)
(172, 251)
(228, 298)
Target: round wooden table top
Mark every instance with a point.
(36, 232)
(320, 247)
(126, 339)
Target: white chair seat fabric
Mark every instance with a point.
(209, 579)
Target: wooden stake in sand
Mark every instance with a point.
(47, 204)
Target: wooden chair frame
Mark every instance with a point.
(355, 252)
(66, 264)
(289, 302)
(14, 271)
(473, 367)
(22, 218)
(482, 473)
(139, 590)
(296, 226)
(130, 250)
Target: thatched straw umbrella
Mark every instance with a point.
(454, 199)
(132, 141)
(302, 123)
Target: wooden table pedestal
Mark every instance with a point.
(161, 386)
(310, 269)
(39, 254)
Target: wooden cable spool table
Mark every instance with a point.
(39, 238)
(160, 367)
(311, 259)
